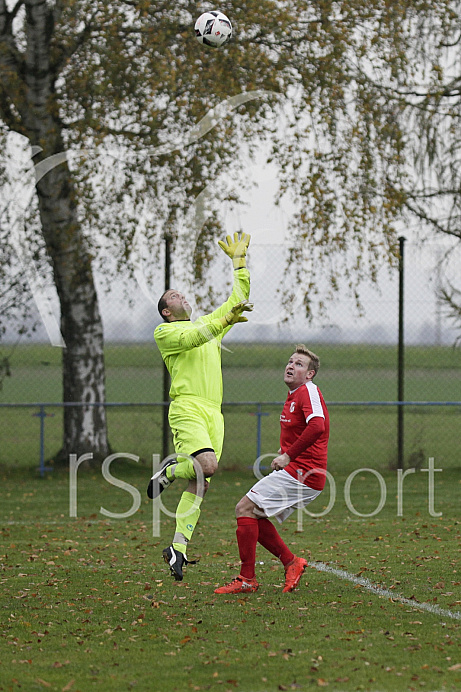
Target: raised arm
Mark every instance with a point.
(236, 250)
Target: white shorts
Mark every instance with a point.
(279, 494)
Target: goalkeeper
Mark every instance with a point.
(192, 353)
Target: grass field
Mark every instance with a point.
(87, 602)
(361, 435)
(252, 372)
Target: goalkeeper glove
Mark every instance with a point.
(235, 314)
(236, 249)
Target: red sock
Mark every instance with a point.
(271, 540)
(247, 537)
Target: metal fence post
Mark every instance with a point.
(258, 415)
(42, 415)
(401, 360)
(166, 374)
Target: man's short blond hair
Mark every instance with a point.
(314, 361)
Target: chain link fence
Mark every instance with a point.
(358, 375)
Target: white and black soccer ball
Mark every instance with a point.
(213, 29)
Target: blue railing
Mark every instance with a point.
(42, 414)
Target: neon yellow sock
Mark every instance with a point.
(183, 469)
(180, 547)
(187, 515)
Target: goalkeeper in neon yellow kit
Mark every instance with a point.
(192, 353)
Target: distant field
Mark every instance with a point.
(252, 372)
(265, 383)
(359, 435)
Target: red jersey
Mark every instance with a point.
(302, 405)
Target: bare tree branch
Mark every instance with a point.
(451, 297)
(430, 220)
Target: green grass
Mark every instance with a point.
(87, 602)
(357, 433)
(252, 372)
(358, 356)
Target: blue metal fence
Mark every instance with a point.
(42, 412)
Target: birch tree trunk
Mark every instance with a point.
(28, 105)
(83, 373)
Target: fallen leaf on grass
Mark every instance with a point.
(68, 687)
(457, 666)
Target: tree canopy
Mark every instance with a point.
(358, 103)
(359, 90)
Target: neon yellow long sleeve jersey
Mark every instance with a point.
(192, 350)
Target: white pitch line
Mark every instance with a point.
(367, 584)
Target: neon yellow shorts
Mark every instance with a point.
(196, 425)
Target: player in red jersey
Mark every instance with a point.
(297, 478)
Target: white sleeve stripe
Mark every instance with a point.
(317, 410)
(314, 415)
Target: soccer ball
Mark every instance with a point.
(213, 29)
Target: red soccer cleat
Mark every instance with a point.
(239, 585)
(293, 573)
